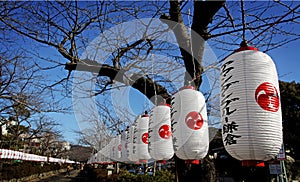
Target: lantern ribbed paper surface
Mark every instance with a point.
(189, 124)
(160, 133)
(140, 138)
(250, 106)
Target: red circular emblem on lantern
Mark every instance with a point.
(194, 120)
(145, 138)
(267, 97)
(119, 147)
(165, 131)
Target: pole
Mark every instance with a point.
(154, 168)
(284, 171)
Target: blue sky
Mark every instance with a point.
(287, 62)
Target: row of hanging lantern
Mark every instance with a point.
(6, 154)
(250, 113)
(180, 128)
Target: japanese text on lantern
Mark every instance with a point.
(229, 127)
(173, 123)
(134, 140)
(150, 132)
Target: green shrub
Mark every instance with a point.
(26, 168)
(164, 176)
(125, 176)
(160, 176)
(100, 174)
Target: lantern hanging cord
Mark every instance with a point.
(243, 20)
(154, 87)
(191, 42)
(145, 92)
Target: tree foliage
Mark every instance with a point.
(24, 93)
(290, 100)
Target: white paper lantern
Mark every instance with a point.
(113, 149)
(250, 106)
(10, 154)
(132, 156)
(18, 154)
(105, 152)
(108, 152)
(1, 153)
(44, 159)
(118, 147)
(35, 157)
(140, 138)
(160, 133)
(101, 158)
(29, 157)
(189, 124)
(23, 157)
(124, 154)
(50, 159)
(7, 155)
(4, 154)
(13, 154)
(97, 158)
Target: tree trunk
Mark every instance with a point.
(192, 50)
(179, 169)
